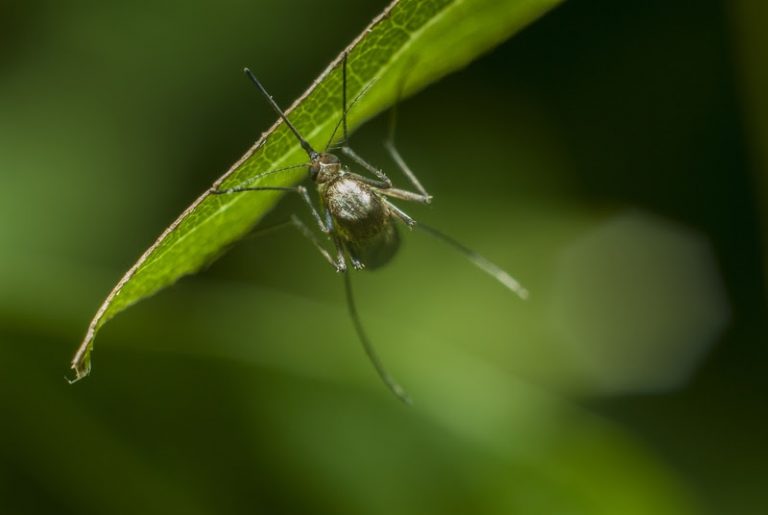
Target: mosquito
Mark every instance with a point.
(357, 214)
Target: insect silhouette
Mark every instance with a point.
(356, 212)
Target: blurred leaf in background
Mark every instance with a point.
(600, 155)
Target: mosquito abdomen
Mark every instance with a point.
(377, 251)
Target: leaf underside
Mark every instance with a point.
(428, 38)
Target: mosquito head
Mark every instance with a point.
(306, 146)
(324, 167)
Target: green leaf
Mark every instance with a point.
(418, 41)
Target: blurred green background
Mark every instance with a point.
(609, 157)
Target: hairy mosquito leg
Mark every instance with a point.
(295, 221)
(346, 108)
(389, 144)
(377, 184)
(357, 264)
(369, 350)
(326, 226)
(259, 231)
(479, 261)
(301, 190)
(344, 97)
(347, 151)
(341, 262)
(330, 230)
(261, 175)
(339, 265)
(398, 159)
(405, 195)
(402, 215)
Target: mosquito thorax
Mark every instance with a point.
(324, 167)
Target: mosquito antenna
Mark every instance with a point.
(306, 146)
(369, 350)
(490, 268)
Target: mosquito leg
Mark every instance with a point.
(389, 144)
(357, 264)
(347, 108)
(347, 151)
(301, 190)
(405, 195)
(341, 263)
(326, 226)
(259, 231)
(295, 221)
(386, 189)
(479, 261)
(330, 230)
(338, 265)
(369, 350)
(407, 220)
(261, 175)
(344, 97)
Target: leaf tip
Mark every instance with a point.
(81, 365)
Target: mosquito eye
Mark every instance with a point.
(313, 170)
